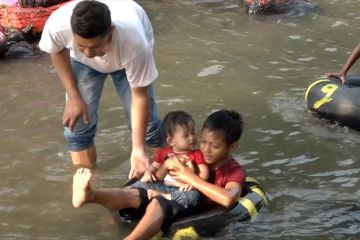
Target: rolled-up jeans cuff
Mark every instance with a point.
(79, 141)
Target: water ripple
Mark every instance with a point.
(211, 70)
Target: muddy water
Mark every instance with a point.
(209, 56)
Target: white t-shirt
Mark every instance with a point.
(132, 41)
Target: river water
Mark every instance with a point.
(209, 56)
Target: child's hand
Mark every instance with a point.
(187, 161)
(148, 177)
(185, 187)
(190, 165)
(183, 159)
(172, 163)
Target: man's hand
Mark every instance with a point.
(74, 108)
(139, 163)
(338, 75)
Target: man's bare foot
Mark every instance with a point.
(153, 193)
(81, 187)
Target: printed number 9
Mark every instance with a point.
(328, 89)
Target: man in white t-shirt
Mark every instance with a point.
(89, 40)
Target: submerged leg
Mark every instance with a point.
(150, 223)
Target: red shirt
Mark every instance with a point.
(229, 172)
(195, 156)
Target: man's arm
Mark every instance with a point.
(140, 111)
(354, 56)
(75, 106)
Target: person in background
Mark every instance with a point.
(219, 139)
(88, 41)
(354, 56)
(3, 41)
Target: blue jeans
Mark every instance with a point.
(90, 84)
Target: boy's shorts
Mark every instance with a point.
(131, 214)
(170, 209)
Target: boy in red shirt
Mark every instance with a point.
(219, 139)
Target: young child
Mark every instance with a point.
(219, 139)
(354, 56)
(179, 130)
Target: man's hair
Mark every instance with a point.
(174, 119)
(90, 19)
(227, 122)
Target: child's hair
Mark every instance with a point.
(174, 119)
(227, 122)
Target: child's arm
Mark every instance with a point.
(354, 56)
(161, 172)
(224, 196)
(149, 175)
(203, 171)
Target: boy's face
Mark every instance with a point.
(183, 139)
(214, 147)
